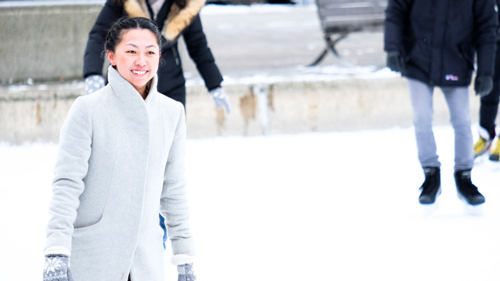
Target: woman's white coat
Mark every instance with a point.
(120, 163)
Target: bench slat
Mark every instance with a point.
(350, 15)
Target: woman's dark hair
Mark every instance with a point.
(115, 33)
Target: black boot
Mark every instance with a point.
(466, 190)
(431, 188)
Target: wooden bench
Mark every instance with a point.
(340, 17)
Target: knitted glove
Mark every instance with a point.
(483, 85)
(220, 98)
(93, 83)
(57, 268)
(395, 61)
(186, 272)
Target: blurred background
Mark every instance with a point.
(263, 50)
(267, 52)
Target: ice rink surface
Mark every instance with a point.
(318, 206)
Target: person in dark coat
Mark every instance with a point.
(174, 18)
(433, 43)
(488, 113)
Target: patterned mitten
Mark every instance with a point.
(57, 268)
(93, 83)
(186, 272)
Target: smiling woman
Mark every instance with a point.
(135, 53)
(120, 161)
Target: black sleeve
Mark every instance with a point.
(396, 19)
(199, 51)
(485, 25)
(93, 59)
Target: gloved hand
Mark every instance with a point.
(186, 272)
(93, 83)
(483, 85)
(220, 98)
(57, 268)
(395, 61)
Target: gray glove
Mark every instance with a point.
(186, 272)
(57, 268)
(93, 83)
(483, 85)
(220, 98)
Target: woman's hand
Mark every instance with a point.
(57, 268)
(186, 272)
(93, 83)
(220, 98)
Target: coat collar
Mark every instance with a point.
(177, 20)
(125, 91)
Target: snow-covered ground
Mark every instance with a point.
(310, 74)
(319, 206)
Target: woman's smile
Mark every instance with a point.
(140, 72)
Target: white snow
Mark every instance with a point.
(318, 206)
(306, 74)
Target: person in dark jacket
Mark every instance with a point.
(433, 43)
(488, 113)
(174, 18)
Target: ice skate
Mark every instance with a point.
(429, 209)
(481, 147)
(466, 190)
(472, 210)
(495, 152)
(431, 188)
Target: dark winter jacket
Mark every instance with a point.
(173, 22)
(498, 27)
(438, 39)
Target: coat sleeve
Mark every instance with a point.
(174, 203)
(93, 59)
(201, 54)
(71, 168)
(396, 19)
(485, 34)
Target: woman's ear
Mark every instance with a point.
(111, 57)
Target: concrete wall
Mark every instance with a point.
(44, 43)
(36, 113)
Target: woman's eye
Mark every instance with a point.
(131, 51)
(151, 53)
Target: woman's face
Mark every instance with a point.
(136, 57)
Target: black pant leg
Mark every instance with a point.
(489, 104)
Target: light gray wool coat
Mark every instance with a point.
(120, 163)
